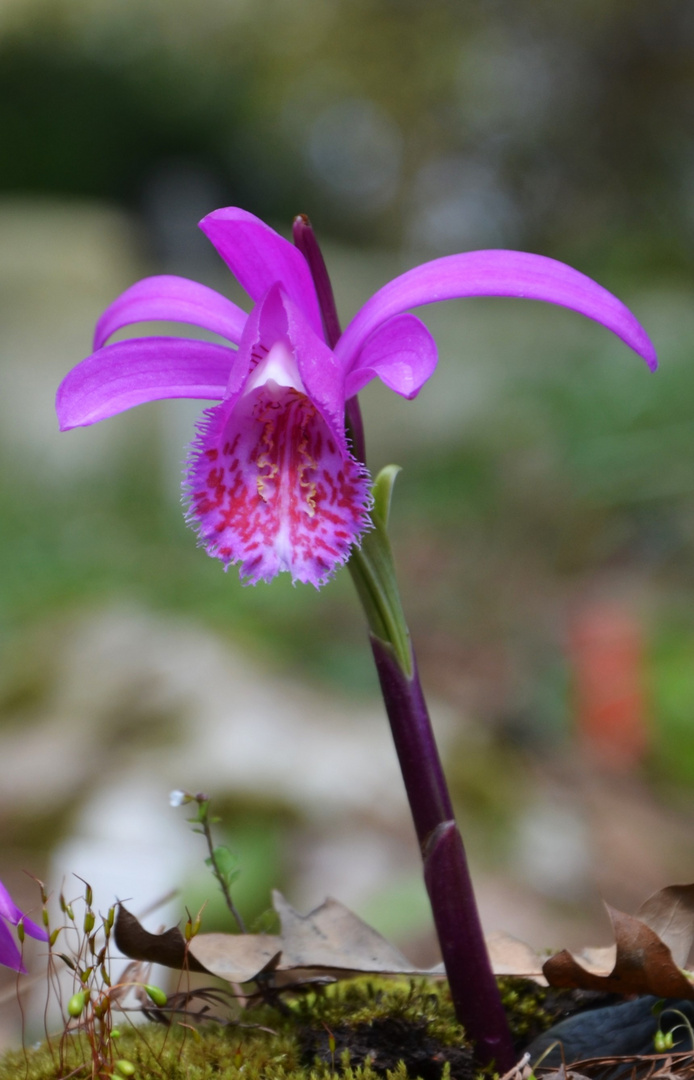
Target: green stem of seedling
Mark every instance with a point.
(203, 820)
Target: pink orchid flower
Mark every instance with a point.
(272, 483)
(10, 955)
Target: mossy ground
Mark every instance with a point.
(362, 1028)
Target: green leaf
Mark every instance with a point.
(225, 863)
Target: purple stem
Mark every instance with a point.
(473, 986)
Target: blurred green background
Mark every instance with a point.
(547, 476)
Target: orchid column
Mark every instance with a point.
(473, 985)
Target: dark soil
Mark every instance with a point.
(385, 1042)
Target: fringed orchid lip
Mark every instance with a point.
(271, 490)
(272, 484)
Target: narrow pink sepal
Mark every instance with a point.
(259, 257)
(129, 373)
(169, 298)
(495, 273)
(401, 353)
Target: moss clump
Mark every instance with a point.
(527, 1008)
(362, 1028)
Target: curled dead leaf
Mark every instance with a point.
(639, 963)
(137, 943)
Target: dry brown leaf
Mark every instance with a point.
(137, 943)
(238, 958)
(670, 913)
(330, 941)
(509, 956)
(333, 936)
(643, 964)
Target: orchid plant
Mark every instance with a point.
(277, 478)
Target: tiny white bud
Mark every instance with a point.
(178, 798)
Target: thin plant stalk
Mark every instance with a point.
(203, 821)
(473, 986)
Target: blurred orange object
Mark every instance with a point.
(606, 656)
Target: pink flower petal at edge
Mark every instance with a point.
(10, 911)
(10, 955)
(495, 273)
(258, 257)
(129, 373)
(401, 352)
(172, 299)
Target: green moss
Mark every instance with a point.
(361, 1028)
(527, 1009)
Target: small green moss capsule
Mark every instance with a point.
(54, 936)
(20, 931)
(125, 1067)
(76, 1004)
(89, 922)
(157, 995)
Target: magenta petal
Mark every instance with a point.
(8, 908)
(496, 273)
(321, 372)
(10, 955)
(10, 911)
(172, 299)
(258, 257)
(129, 373)
(401, 352)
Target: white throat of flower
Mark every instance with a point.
(278, 367)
